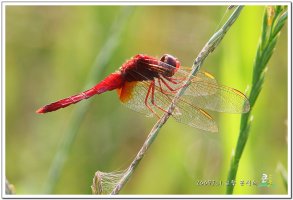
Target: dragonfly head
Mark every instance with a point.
(172, 63)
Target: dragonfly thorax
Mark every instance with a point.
(143, 68)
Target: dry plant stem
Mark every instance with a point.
(208, 48)
(9, 188)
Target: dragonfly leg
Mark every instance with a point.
(172, 91)
(147, 97)
(174, 80)
(153, 96)
(169, 87)
(160, 85)
(162, 90)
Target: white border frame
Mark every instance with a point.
(141, 3)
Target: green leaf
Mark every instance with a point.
(264, 29)
(280, 24)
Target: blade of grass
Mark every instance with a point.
(283, 174)
(207, 49)
(272, 25)
(101, 60)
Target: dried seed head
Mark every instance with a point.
(271, 14)
(105, 182)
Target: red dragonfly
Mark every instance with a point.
(148, 85)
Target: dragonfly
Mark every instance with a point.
(148, 85)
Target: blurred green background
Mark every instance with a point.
(49, 54)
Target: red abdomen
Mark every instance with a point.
(111, 82)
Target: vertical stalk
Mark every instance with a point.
(101, 60)
(273, 21)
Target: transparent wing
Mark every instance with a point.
(193, 89)
(204, 92)
(188, 114)
(221, 99)
(133, 96)
(159, 102)
(154, 97)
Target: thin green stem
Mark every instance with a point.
(264, 52)
(207, 49)
(101, 60)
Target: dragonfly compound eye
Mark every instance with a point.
(170, 60)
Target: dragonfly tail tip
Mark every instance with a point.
(40, 111)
